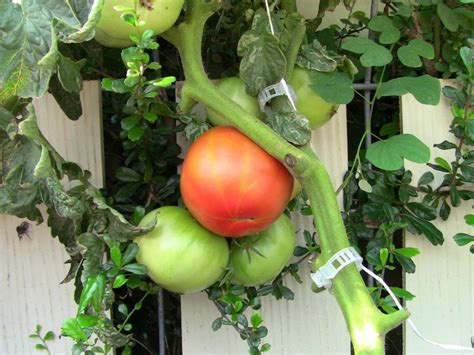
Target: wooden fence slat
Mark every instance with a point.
(31, 269)
(443, 282)
(312, 323)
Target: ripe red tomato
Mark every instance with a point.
(231, 185)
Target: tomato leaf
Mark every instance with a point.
(333, 87)
(389, 154)
(291, 126)
(263, 63)
(314, 56)
(29, 41)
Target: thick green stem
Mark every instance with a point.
(366, 324)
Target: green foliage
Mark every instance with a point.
(42, 340)
(29, 52)
(388, 154)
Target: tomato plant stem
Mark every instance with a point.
(367, 325)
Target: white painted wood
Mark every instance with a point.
(443, 282)
(312, 323)
(31, 269)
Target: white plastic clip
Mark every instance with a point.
(279, 89)
(323, 276)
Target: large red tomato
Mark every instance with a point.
(231, 185)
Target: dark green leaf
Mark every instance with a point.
(425, 88)
(263, 63)
(69, 73)
(70, 102)
(136, 133)
(448, 17)
(407, 264)
(373, 54)
(333, 87)
(217, 324)
(137, 269)
(129, 253)
(462, 239)
(389, 154)
(409, 54)
(389, 33)
(422, 211)
(426, 178)
(291, 126)
(434, 235)
(128, 175)
(314, 56)
(28, 45)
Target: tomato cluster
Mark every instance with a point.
(232, 188)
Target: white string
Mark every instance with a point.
(283, 81)
(409, 321)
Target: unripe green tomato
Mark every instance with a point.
(310, 104)
(180, 254)
(157, 15)
(261, 257)
(234, 89)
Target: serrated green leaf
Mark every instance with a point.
(388, 32)
(447, 17)
(291, 126)
(43, 168)
(28, 42)
(314, 56)
(373, 54)
(86, 321)
(389, 154)
(69, 73)
(263, 63)
(409, 54)
(69, 102)
(425, 88)
(333, 87)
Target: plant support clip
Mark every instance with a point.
(279, 89)
(323, 276)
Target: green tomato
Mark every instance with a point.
(181, 256)
(310, 104)
(234, 89)
(158, 15)
(259, 258)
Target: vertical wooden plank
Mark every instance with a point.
(31, 269)
(312, 323)
(444, 279)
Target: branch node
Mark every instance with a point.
(290, 160)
